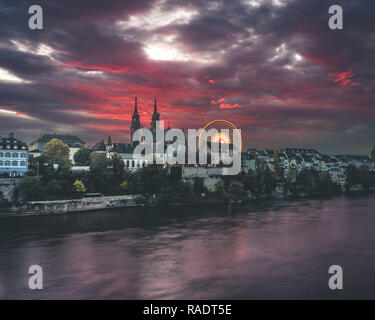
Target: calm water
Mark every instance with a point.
(265, 250)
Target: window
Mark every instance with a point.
(23, 155)
(15, 163)
(7, 155)
(1, 163)
(23, 163)
(15, 147)
(7, 163)
(15, 155)
(1, 154)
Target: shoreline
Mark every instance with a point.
(59, 207)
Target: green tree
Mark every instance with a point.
(236, 190)
(117, 172)
(79, 187)
(57, 152)
(367, 179)
(353, 176)
(30, 188)
(124, 186)
(82, 157)
(219, 191)
(148, 180)
(307, 181)
(198, 186)
(53, 189)
(249, 181)
(99, 163)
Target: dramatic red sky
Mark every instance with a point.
(272, 67)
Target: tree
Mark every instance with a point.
(275, 160)
(57, 152)
(54, 189)
(117, 170)
(198, 186)
(249, 181)
(353, 176)
(236, 190)
(99, 178)
(219, 190)
(124, 185)
(148, 180)
(82, 157)
(291, 181)
(182, 187)
(270, 181)
(367, 179)
(79, 187)
(307, 181)
(98, 162)
(30, 188)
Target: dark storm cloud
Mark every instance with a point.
(271, 69)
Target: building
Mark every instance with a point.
(299, 159)
(356, 160)
(210, 176)
(373, 154)
(154, 119)
(136, 121)
(125, 151)
(13, 156)
(74, 143)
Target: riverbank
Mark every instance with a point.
(56, 207)
(73, 205)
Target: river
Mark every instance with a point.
(264, 250)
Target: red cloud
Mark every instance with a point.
(230, 106)
(343, 79)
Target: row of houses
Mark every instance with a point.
(300, 158)
(14, 155)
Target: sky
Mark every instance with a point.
(271, 67)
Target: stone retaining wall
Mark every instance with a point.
(7, 186)
(85, 204)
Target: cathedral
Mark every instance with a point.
(125, 150)
(136, 120)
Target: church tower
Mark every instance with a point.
(136, 122)
(155, 117)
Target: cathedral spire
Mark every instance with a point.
(155, 118)
(136, 121)
(135, 106)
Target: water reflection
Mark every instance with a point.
(264, 250)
